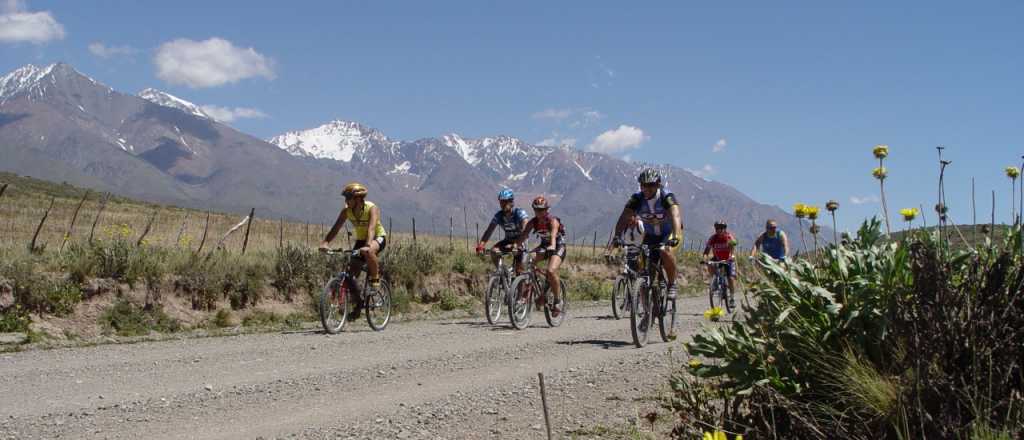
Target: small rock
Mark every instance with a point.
(208, 387)
(13, 338)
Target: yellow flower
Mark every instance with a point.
(714, 313)
(1012, 172)
(708, 436)
(880, 151)
(909, 214)
(811, 212)
(800, 210)
(695, 363)
(880, 173)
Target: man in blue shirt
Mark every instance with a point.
(772, 242)
(512, 220)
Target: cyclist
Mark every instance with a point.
(662, 221)
(512, 220)
(552, 245)
(772, 242)
(371, 238)
(721, 246)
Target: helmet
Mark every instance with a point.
(720, 224)
(506, 194)
(354, 189)
(540, 203)
(649, 176)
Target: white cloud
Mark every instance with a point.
(719, 146)
(18, 25)
(227, 114)
(555, 141)
(554, 114)
(624, 138)
(103, 51)
(704, 172)
(863, 200)
(209, 63)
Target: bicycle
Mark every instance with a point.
(532, 287)
(625, 282)
(718, 287)
(498, 284)
(334, 300)
(652, 301)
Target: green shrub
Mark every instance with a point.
(201, 279)
(37, 292)
(262, 318)
(14, 319)
(79, 262)
(222, 319)
(113, 258)
(451, 301)
(243, 285)
(127, 319)
(588, 289)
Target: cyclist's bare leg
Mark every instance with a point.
(369, 253)
(668, 261)
(495, 256)
(554, 262)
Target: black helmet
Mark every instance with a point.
(649, 176)
(720, 224)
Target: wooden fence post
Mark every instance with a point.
(593, 249)
(451, 231)
(71, 226)
(245, 241)
(181, 230)
(307, 234)
(544, 404)
(280, 234)
(465, 224)
(95, 221)
(2, 189)
(32, 245)
(206, 228)
(145, 231)
(414, 230)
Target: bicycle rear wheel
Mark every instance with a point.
(667, 319)
(334, 306)
(520, 301)
(492, 300)
(378, 306)
(555, 321)
(640, 314)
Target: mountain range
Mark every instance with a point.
(61, 125)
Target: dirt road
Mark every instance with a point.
(427, 379)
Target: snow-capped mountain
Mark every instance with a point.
(59, 124)
(168, 100)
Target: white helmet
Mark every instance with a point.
(633, 235)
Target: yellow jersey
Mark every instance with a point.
(362, 221)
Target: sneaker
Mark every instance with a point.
(732, 303)
(354, 313)
(672, 292)
(555, 311)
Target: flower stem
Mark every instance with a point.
(885, 206)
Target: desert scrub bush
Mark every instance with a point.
(222, 319)
(14, 319)
(37, 292)
(587, 288)
(200, 278)
(451, 300)
(79, 263)
(906, 339)
(401, 299)
(296, 269)
(408, 263)
(148, 265)
(262, 318)
(112, 257)
(127, 319)
(244, 283)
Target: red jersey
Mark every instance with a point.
(721, 245)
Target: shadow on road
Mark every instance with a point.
(603, 343)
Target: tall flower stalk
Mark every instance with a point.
(881, 151)
(1013, 173)
(812, 215)
(800, 212)
(909, 214)
(832, 206)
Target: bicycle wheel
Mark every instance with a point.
(619, 297)
(493, 297)
(520, 302)
(667, 319)
(378, 306)
(726, 296)
(640, 314)
(714, 293)
(555, 321)
(334, 306)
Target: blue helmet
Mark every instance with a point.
(505, 194)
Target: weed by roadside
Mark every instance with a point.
(127, 319)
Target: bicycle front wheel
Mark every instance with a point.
(520, 302)
(493, 298)
(552, 319)
(619, 297)
(378, 306)
(667, 319)
(334, 306)
(640, 314)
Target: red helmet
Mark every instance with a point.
(540, 203)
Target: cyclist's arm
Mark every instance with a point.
(371, 229)
(785, 245)
(757, 245)
(342, 216)
(487, 233)
(620, 225)
(732, 247)
(526, 233)
(707, 250)
(677, 222)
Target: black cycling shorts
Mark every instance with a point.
(559, 250)
(382, 241)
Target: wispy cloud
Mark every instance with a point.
(554, 114)
(103, 51)
(557, 142)
(626, 137)
(18, 25)
(719, 146)
(209, 63)
(573, 117)
(863, 200)
(228, 114)
(703, 172)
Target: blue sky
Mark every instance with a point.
(784, 102)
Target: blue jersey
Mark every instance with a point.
(655, 213)
(773, 246)
(512, 223)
